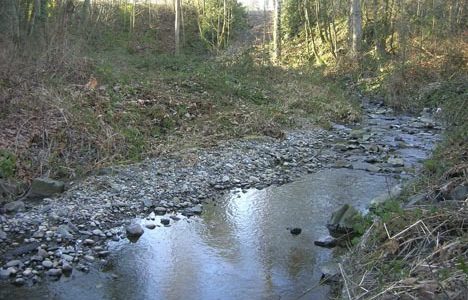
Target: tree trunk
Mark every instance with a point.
(277, 31)
(177, 26)
(356, 26)
(85, 11)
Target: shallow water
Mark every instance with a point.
(238, 249)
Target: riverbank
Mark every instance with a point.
(74, 228)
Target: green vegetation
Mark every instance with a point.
(7, 164)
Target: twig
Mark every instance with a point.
(344, 280)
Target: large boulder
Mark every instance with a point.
(45, 187)
(14, 207)
(342, 221)
(9, 190)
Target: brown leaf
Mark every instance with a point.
(92, 84)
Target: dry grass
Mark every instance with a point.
(418, 253)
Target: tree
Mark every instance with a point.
(277, 31)
(356, 26)
(177, 26)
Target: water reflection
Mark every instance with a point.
(238, 249)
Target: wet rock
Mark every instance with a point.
(67, 269)
(373, 168)
(42, 253)
(19, 281)
(165, 221)
(343, 164)
(98, 232)
(103, 253)
(13, 263)
(47, 264)
(330, 272)
(197, 209)
(342, 221)
(89, 258)
(459, 193)
(65, 231)
(393, 193)
(45, 187)
(27, 273)
(88, 242)
(134, 230)
(3, 235)
(160, 210)
(396, 162)
(14, 207)
(150, 226)
(327, 242)
(54, 272)
(295, 231)
(357, 133)
(5, 273)
(416, 199)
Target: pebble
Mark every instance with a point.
(54, 272)
(47, 264)
(150, 226)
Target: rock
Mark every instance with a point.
(416, 199)
(357, 133)
(14, 207)
(373, 168)
(165, 221)
(394, 192)
(3, 235)
(67, 257)
(103, 253)
(47, 264)
(342, 221)
(459, 193)
(197, 209)
(147, 202)
(45, 187)
(88, 242)
(65, 231)
(42, 253)
(19, 281)
(134, 230)
(327, 242)
(54, 272)
(27, 273)
(5, 273)
(150, 226)
(160, 210)
(343, 164)
(8, 190)
(89, 258)
(396, 162)
(13, 263)
(98, 232)
(330, 272)
(67, 269)
(295, 231)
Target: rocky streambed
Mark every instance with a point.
(82, 230)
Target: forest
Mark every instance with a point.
(88, 87)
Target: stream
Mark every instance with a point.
(240, 246)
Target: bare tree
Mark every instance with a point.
(177, 26)
(356, 26)
(277, 30)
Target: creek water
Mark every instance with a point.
(239, 248)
